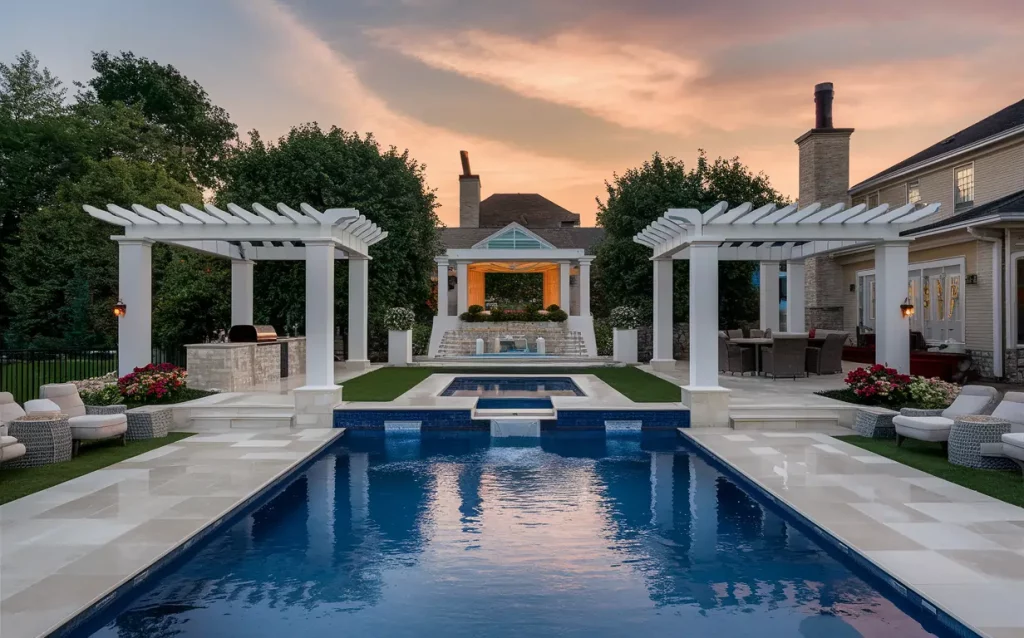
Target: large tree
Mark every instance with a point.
(338, 169)
(639, 196)
(202, 131)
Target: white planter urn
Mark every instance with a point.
(399, 347)
(624, 345)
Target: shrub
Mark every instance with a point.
(153, 381)
(420, 339)
(399, 319)
(475, 309)
(880, 385)
(625, 318)
(553, 308)
(603, 335)
(932, 394)
(107, 395)
(557, 315)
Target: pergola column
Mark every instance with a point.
(663, 359)
(358, 299)
(241, 292)
(770, 296)
(564, 302)
(462, 286)
(320, 314)
(892, 333)
(135, 289)
(796, 306)
(585, 287)
(442, 287)
(708, 402)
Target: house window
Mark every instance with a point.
(964, 177)
(514, 239)
(913, 192)
(1020, 300)
(873, 200)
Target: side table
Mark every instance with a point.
(47, 440)
(970, 434)
(875, 423)
(149, 422)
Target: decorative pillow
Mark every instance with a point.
(42, 408)
(965, 404)
(810, 335)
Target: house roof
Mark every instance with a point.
(1012, 203)
(578, 237)
(529, 209)
(999, 122)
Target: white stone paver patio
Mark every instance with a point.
(67, 547)
(959, 549)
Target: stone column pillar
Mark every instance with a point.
(892, 331)
(320, 313)
(135, 289)
(564, 301)
(708, 402)
(442, 287)
(358, 298)
(241, 292)
(663, 359)
(770, 295)
(585, 286)
(462, 286)
(796, 308)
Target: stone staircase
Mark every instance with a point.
(558, 339)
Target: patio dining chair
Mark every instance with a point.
(756, 333)
(787, 356)
(732, 358)
(735, 334)
(828, 359)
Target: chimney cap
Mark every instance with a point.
(823, 86)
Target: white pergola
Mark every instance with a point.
(246, 236)
(771, 234)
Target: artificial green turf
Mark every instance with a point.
(386, 384)
(18, 482)
(929, 457)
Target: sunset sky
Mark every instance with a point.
(554, 96)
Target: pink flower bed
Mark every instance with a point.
(154, 381)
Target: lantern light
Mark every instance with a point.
(907, 308)
(120, 309)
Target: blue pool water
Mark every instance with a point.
(512, 386)
(500, 403)
(451, 535)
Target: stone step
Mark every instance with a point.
(800, 420)
(234, 422)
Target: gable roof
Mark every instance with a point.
(1012, 203)
(513, 232)
(1002, 121)
(585, 238)
(529, 209)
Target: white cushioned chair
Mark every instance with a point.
(88, 423)
(934, 425)
(10, 448)
(1012, 409)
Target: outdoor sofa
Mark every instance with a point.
(10, 448)
(934, 425)
(88, 423)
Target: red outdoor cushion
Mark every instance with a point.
(810, 335)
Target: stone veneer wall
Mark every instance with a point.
(680, 342)
(266, 363)
(236, 367)
(983, 362)
(296, 357)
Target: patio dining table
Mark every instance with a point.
(756, 343)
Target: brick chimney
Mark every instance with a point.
(469, 195)
(824, 178)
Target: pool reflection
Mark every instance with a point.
(581, 535)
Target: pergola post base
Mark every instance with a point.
(709, 406)
(357, 364)
(314, 405)
(663, 365)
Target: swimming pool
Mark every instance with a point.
(512, 387)
(453, 535)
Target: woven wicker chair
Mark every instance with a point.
(934, 425)
(735, 334)
(787, 356)
(733, 358)
(88, 423)
(10, 447)
(828, 359)
(756, 333)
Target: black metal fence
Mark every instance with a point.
(23, 371)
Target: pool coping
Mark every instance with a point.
(91, 611)
(821, 534)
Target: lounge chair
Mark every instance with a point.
(10, 448)
(828, 359)
(88, 423)
(733, 358)
(934, 425)
(787, 356)
(1011, 409)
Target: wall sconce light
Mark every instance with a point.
(907, 308)
(120, 309)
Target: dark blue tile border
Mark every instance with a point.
(429, 419)
(567, 419)
(881, 579)
(174, 558)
